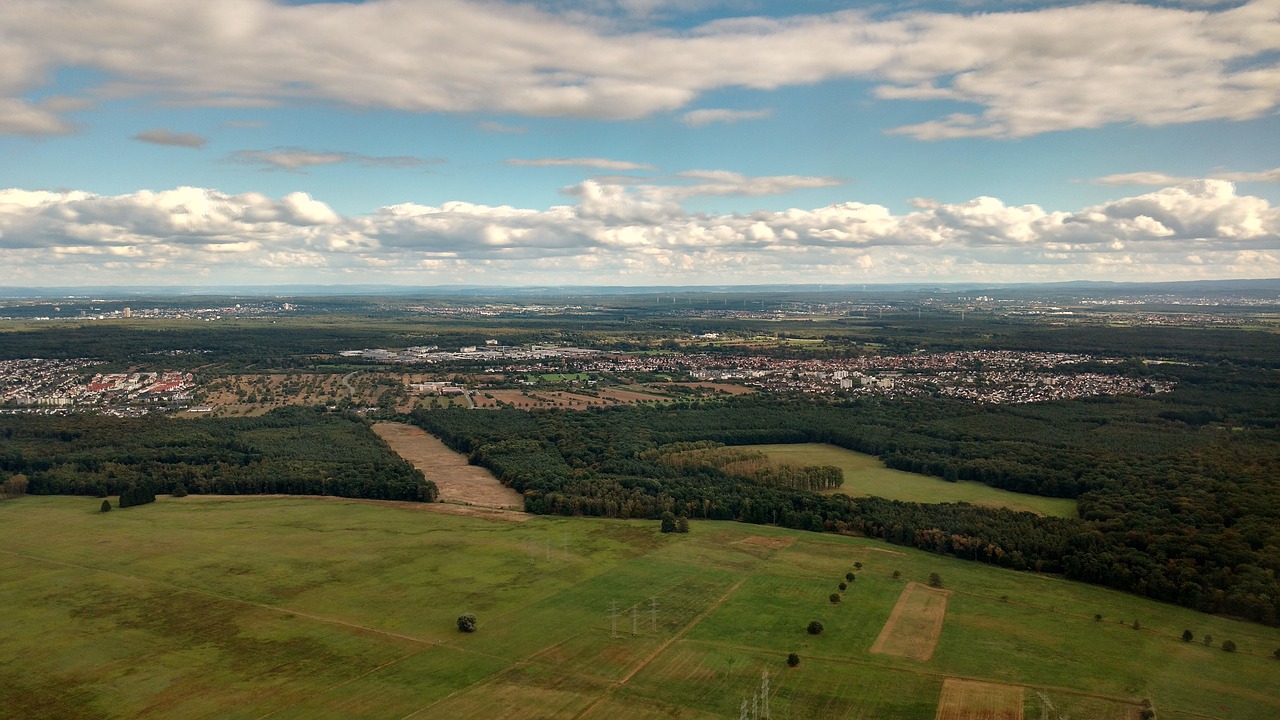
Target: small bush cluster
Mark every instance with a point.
(136, 495)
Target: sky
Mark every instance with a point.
(636, 142)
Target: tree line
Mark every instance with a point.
(291, 451)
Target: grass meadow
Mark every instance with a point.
(259, 608)
(867, 475)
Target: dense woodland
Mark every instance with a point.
(293, 451)
(1179, 496)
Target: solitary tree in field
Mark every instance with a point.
(1187, 636)
(815, 627)
(668, 522)
(1229, 645)
(848, 576)
(682, 524)
(897, 574)
(106, 506)
(467, 622)
(935, 580)
(794, 659)
(834, 598)
(844, 586)
(857, 566)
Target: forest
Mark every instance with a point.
(1178, 496)
(291, 451)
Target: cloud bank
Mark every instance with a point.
(622, 234)
(1014, 74)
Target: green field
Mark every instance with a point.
(867, 475)
(206, 607)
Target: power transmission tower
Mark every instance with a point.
(613, 619)
(653, 614)
(742, 713)
(635, 609)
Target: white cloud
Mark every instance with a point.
(1159, 178)
(700, 118)
(162, 136)
(1026, 72)
(297, 159)
(19, 117)
(1195, 230)
(597, 163)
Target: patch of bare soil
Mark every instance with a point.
(765, 542)
(458, 481)
(913, 627)
(974, 700)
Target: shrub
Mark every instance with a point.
(180, 490)
(857, 566)
(935, 580)
(1229, 645)
(1137, 625)
(1207, 640)
(1097, 617)
(682, 524)
(106, 506)
(1187, 636)
(467, 622)
(897, 574)
(815, 627)
(668, 522)
(793, 660)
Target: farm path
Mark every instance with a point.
(661, 649)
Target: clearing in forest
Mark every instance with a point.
(914, 625)
(974, 700)
(457, 480)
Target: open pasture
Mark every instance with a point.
(867, 475)
(273, 607)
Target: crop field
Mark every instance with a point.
(867, 475)
(274, 607)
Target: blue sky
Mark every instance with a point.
(149, 142)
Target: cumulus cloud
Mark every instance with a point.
(169, 137)
(1026, 72)
(1204, 228)
(699, 118)
(597, 163)
(295, 159)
